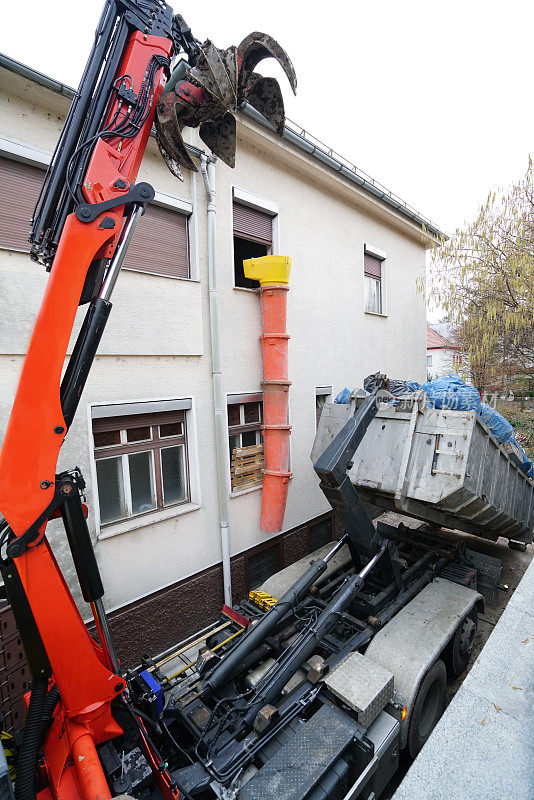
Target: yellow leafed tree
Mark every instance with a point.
(484, 279)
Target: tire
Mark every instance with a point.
(428, 707)
(460, 649)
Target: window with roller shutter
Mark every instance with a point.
(20, 185)
(253, 237)
(160, 244)
(372, 266)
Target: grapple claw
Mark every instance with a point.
(169, 136)
(219, 82)
(220, 136)
(253, 49)
(265, 96)
(215, 72)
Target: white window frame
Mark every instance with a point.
(429, 360)
(125, 465)
(140, 406)
(377, 252)
(248, 198)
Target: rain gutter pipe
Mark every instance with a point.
(207, 168)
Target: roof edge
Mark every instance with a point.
(330, 158)
(300, 139)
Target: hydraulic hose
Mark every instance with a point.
(49, 707)
(31, 741)
(256, 635)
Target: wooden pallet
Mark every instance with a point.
(246, 467)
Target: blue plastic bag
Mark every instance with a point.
(451, 392)
(344, 395)
(498, 425)
(527, 467)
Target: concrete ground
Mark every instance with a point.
(483, 747)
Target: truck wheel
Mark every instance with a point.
(428, 707)
(461, 646)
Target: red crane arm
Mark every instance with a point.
(84, 672)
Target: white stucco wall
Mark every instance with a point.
(443, 363)
(157, 341)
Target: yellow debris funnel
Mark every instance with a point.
(268, 270)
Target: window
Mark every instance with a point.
(429, 361)
(160, 244)
(141, 463)
(457, 360)
(322, 394)
(373, 283)
(245, 417)
(253, 237)
(320, 534)
(262, 565)
(20, 185)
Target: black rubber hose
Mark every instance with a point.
(31, 742)
(49, 707)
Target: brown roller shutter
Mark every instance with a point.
(160, 244)
(372, 266)
(20, 185)
(253, 224)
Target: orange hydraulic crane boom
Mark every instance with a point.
(83, 223)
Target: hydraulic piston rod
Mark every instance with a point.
(258, 633)
(302, 650)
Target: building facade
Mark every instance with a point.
(443, 357)
(144, 435)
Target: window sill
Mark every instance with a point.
(133, 523)
(245, 289)
(376, 314)
(160, 275)
(247, 491)
(252, 489)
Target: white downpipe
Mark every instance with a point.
(207, 168)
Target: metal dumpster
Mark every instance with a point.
(440, 466)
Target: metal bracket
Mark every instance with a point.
(140, 194)
(65, 485)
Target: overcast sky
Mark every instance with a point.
(434, 99)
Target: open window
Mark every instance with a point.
(253, 237)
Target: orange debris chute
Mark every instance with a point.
(273, 274)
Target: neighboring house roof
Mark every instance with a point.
(292, 133)
(435, 341)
